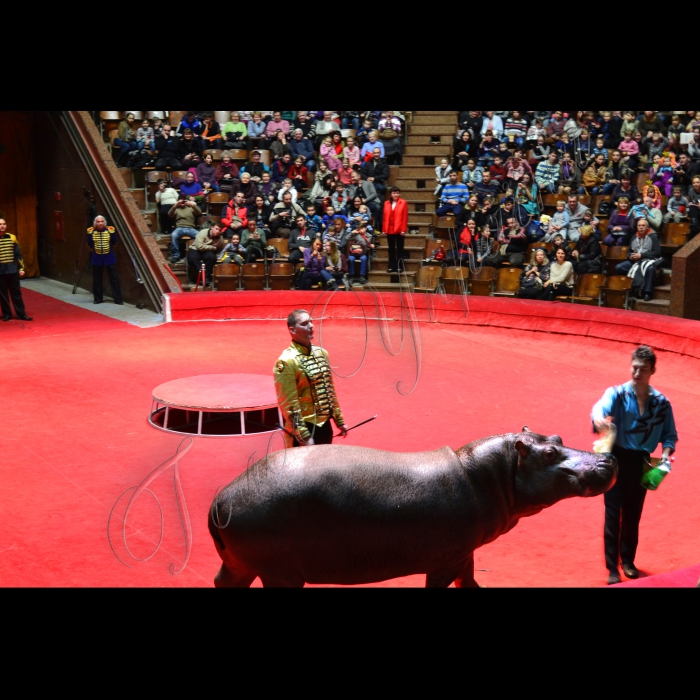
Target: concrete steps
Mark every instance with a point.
(659, 307)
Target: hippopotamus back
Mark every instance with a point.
(351, 515)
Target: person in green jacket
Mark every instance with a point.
(235, 132)
(254, 241)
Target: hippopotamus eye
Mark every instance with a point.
(551, 455)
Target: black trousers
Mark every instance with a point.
(10, 289)
(168, 162)
(97, 289)
(195, 258)
(396, 242)
(166, 223)
(322, 435)
(623, 508)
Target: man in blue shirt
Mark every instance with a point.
(454, 197)
(644, 418)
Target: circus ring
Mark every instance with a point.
(459, 373)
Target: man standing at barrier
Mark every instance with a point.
(11, 269)
(102, 240)
(644, 418)
(305, 390)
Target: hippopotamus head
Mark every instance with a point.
(548, 472)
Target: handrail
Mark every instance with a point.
(120, 205)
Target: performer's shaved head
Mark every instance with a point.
(294, 317)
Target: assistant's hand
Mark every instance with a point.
(343, 430)
(21, 273)
(310, 442)
(602, 426)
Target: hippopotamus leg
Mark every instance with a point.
(466, 576)
(442, 578)
(229, 578)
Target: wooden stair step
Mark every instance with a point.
(386, 286)
(427, 149)
(432, 129)
(380, 264)
(445, 141)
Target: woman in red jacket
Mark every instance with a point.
(395, 227)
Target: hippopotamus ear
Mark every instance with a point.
(522, 449)
(525, 429)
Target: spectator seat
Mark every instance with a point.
(507, 282)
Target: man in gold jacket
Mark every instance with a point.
(305, 390)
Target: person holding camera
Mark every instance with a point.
(190, 151)
(11, 269)
(102, 240)
(185, 213)
(254, 241)
(283, 215)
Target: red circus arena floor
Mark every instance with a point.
(76, 391)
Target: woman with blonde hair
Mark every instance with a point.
(235, 132)
(336, 265)
(534, 275)
(620, 224)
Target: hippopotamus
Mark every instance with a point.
(352, 515)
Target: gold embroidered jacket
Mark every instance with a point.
(305, 390)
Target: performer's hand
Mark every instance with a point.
(21, 273)
(310, 442)
(602, 426)
(343, 430)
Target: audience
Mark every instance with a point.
(495, 183)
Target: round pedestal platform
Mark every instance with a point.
(216, 405)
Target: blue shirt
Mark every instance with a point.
(635, 432)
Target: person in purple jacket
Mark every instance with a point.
(314, 265)
(619, 226)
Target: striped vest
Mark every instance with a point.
(101, 240)
(7, 250)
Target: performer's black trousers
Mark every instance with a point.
(322, 435)
(10, 289)
(623, 508)
(97, 289)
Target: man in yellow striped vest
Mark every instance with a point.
(101, 240)
(11, 269)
